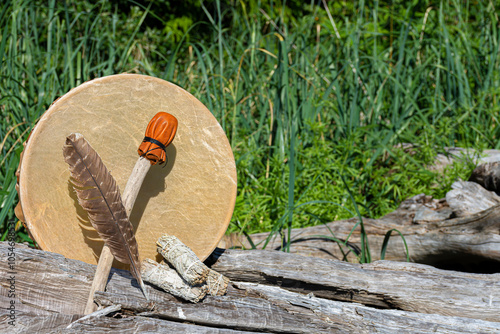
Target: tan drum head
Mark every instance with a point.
(192, 197)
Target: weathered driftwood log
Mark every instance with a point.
(467, 198)
(57, 323)
(451, 154)
(50, 290)
(263, 308)
(488, 176)
(470, 243)
(385, 284)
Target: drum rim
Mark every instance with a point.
(33, 231)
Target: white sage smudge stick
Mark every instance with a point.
(169, 280)
(189, 266)
(183, 259)
(216, 283)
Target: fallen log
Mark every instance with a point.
(264, 308)
(450, 155)
(467, 198)
(58, 323)
(283, 293)
(470, 243)
(383, 284)
(488, 176)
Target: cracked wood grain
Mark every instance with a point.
(51, 289)
(471, 242)
(386, 284)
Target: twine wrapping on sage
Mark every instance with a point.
(195, 272)
(216, 283)
(183, 259)
(169, 280)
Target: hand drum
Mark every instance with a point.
(192, 196)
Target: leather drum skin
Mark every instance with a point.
(191, 196)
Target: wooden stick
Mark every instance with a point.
(129, 196)
(134, 183)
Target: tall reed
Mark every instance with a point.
(313, 105)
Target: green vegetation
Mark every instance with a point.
(314, 99)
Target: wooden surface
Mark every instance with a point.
(283, 293)
(456, 154)
(100, 278)
(192, 197)
(488, 176)
(470, 243)
(464, 155)
(457, 232)
(385, 284)
(467, 198)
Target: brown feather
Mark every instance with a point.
(99, 195)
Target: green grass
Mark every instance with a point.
(313, 105)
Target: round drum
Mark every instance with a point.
(192, 196)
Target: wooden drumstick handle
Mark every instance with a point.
(160, 132)
(129, 196)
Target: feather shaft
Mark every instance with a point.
(99, 195)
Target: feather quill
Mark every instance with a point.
(99, 195)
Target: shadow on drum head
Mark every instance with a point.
(90, 235)
(153, 184)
